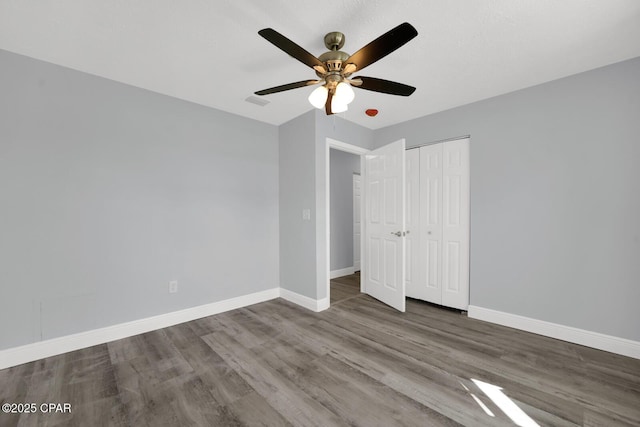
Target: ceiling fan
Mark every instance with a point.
(334, 67)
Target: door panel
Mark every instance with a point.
(384, 178)
(455, 231)
(433, 260)
(431, 222)
(391, 253)
(373, 192)
(390, 210)
(374, 257)
(452, 272)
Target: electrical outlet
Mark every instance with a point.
(306, 214)
(173, 286)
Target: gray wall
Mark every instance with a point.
(297, 183)
(108, 192)
(555, 197)
(303, 176)
(343, 165)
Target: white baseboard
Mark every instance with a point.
(323, 304)
(306, 302)
(597, 340)
(342, 272)
(30, 352)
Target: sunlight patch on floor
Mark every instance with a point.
(508, 406)
(479, 402)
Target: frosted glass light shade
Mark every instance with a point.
(319, 97)
(337, 106)
(344, 93)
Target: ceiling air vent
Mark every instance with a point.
(258, 101)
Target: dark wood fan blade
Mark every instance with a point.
(382, 46)
(385, 86)
(289, 86)
(286, 45)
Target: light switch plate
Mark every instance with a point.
(173, 286)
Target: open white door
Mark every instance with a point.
(384, 221)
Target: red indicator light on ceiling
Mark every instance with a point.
(371, 112)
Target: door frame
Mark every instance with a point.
(353, 202)
(353, 149)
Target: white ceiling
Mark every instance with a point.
(209, 52)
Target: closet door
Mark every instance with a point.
(415, 271)
(431, 223)
(455, 224)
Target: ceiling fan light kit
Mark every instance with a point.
(319, 96)
(344, 92)
(342, 96)
(335, 67)
(337, 106)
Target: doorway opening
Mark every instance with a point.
(339, 226)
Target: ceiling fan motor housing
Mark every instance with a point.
(334, 40)
(333, 60)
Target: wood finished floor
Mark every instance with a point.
(358, 363)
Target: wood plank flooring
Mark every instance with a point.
(358, 363)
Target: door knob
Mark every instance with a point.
(397, 233)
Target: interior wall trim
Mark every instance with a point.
(342, 272)
(304, 301)
(596, 340)
(455, 138)
(39, 350)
